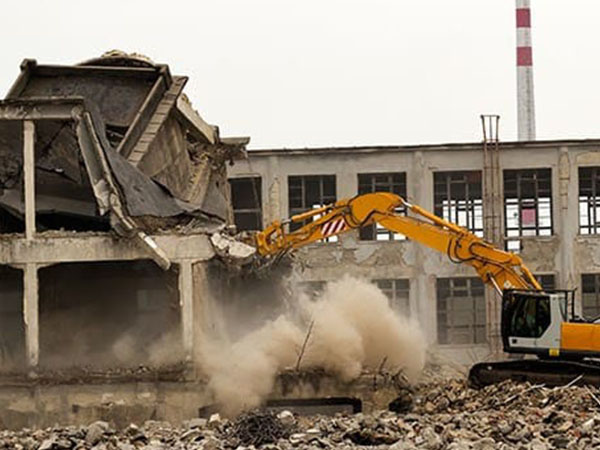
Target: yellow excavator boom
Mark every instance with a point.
(501, 269)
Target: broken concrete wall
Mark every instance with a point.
(34, 405)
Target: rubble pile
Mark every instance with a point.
(258, 428)
(446, 415)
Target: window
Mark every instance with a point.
(461, 311)
(247, 203)
(457, 199)
(589, 200)
(547, 282)
(310, 192)
(397, 291)
(527, 204)
(382, 182)
(590, 295)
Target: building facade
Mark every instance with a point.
(542, 197)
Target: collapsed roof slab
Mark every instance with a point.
(145, 124)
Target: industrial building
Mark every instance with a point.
(538, 198)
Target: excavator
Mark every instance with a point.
(545, 340)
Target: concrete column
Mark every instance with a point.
(493, 229)
(347, 184)
(29, 175)
(186, 302)
(566, 218)
(31, 313)
(423, 303)
(276, 192)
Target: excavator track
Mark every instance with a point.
(537, 371)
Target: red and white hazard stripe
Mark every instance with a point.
(333, 227)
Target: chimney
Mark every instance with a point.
(525, 102)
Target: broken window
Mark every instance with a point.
(394, 182)
(124, 314)
(527, 204)
(246, 198)
(309, 192)
(589, 200)
(397, 291)
(457, 199)
(590, 295)
(461, 311)
(12, 327)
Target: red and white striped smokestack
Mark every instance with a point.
(525, 102)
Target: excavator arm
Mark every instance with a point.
(533, 322)
(499, 268)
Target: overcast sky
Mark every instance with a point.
(336, 72)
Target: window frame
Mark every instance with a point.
(257, 211)
(476, 330)
(398, 293)
(471, 206)
(368, 183)
(542, 202)
(324, 198)
(591, 203)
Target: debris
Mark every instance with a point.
(96, 431)
(257, 428)
(197, 423)
(303, 349)
(286, 418)
(214, 421)
(444, 415)
(232, 250)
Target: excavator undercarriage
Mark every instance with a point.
(549, 372)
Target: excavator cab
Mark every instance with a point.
(532, 320)
(543, 324)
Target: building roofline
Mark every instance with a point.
(422, 147)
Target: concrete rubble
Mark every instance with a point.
(443, 415)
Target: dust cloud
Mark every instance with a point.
(346, 329)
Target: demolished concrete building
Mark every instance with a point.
(112, 191)
(110, 183)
